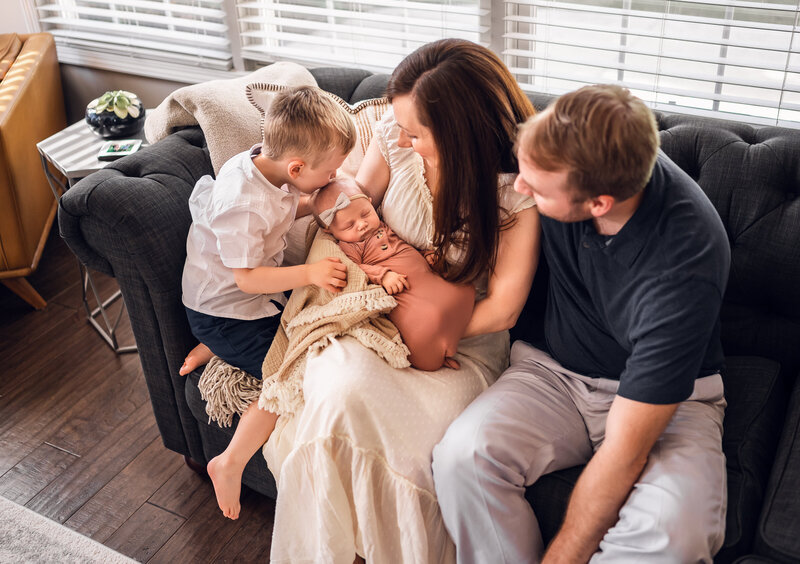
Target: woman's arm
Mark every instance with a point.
(373, 174)
(509, 284)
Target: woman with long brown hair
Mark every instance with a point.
(353, 468)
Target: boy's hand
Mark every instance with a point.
(329, 274)
(394, 283)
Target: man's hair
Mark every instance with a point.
(604, 136)
(306, 121)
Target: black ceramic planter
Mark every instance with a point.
(109, 125)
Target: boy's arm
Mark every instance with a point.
(329, 273)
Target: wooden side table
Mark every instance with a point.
(73, 152)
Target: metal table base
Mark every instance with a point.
(108, 330)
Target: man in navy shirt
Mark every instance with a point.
(630, 380)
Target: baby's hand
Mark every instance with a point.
(329, 274)
(430, 256)
(394, 283)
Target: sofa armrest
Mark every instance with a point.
(130, 220)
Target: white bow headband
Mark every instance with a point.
(342, 201)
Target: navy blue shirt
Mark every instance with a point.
(641, 306)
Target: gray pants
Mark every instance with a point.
(540, 417)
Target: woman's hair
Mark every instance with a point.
(307, 121)
(471, 103)
(604, 136)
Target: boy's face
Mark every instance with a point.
(356, 222)
(311, 178)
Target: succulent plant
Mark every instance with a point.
(121, 102)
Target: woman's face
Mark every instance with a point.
(412, 133)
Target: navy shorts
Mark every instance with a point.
(239, 342)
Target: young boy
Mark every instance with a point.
(431, 313)
(233, 282)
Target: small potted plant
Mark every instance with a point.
(115, 114)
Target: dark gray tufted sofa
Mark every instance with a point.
(130, 220)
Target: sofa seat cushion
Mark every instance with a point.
(753, 421)
(779, 529)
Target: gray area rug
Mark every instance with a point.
(26, 536)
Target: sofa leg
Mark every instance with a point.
(23, 288)
(196, 467)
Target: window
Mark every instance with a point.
(731, 58)
(737, 59)
(127, 35)
(370, 34)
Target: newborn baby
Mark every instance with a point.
(431, 313)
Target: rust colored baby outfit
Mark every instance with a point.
(432, 313)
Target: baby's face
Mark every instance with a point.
(356, 222)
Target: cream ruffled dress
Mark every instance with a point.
(354, 466)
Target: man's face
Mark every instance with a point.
(551, 191)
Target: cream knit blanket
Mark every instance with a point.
(313, 317)
(229, 121)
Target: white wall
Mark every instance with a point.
(12, 17)
(82, 84)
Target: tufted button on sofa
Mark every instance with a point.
(117, 219)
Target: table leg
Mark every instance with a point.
(109, 331)
(56, 185)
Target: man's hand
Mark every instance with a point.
(329, 274)
(394, 283)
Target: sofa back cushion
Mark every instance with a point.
(752, 176)
(10, 46)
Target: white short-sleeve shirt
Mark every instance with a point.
(239, 220)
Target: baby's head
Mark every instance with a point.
(342, 209)
(308, 127)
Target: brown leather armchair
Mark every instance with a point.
(31, 109)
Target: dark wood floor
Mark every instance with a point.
(79, 444)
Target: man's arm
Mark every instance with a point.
(632, 429)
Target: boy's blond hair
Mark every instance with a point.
(306, 121)
(606, 138)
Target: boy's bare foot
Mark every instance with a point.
(198, 356)
(227, 486)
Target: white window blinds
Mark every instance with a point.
(711, 57)
(369, 34)
(137, 33)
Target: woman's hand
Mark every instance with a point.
(510, 281)
(329, 274)
(394, 283)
